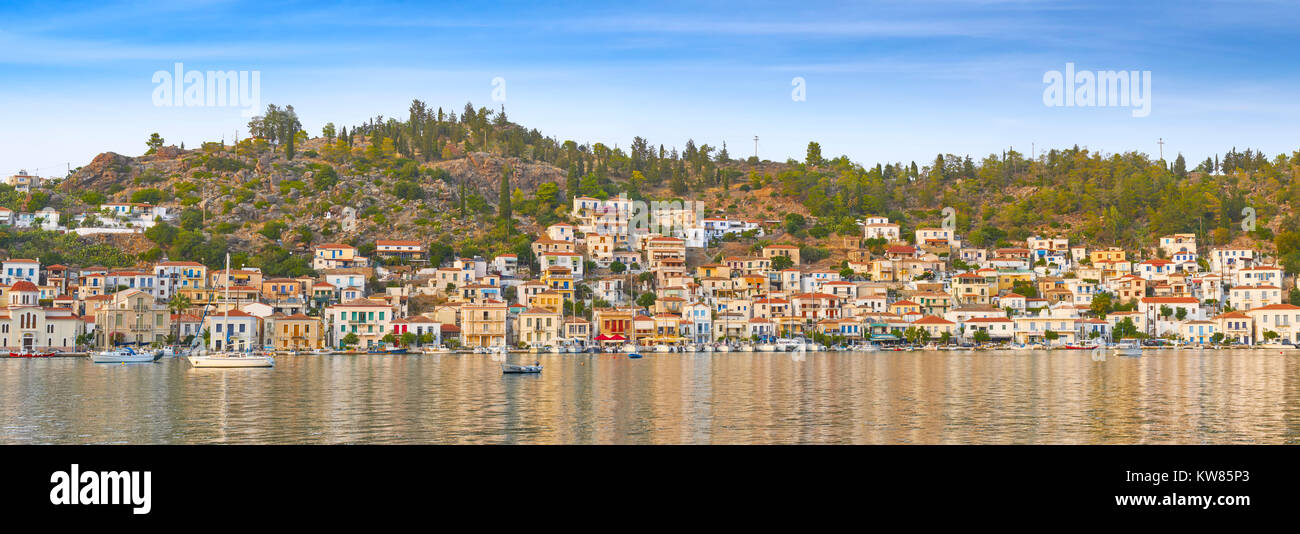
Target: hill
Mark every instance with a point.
(437, 177)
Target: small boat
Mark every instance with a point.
(1128, 348)
(322, 351)
(787, 344)
(31, 354)
(511, 369)
(634, 355)
(663, 348)
(435, 350)
(689, 348)
(706, 348)
(629, 347)
(125, 355)
(747, 348)
(724, 348)
(767, 347)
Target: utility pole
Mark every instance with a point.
(756, 148)
(1161, 142)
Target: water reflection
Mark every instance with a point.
(890, 397)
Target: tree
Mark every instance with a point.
(617, 267)
(780, 263)
(646, 300)
(179, 303)
(1101, 305)
(814, 156)
(408, 339)
(981, 336)
(350, 340)
(154, 143)
(1125, 329)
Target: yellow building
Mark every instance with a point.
(789, 251)
(296, 332)
(975, 288)
(1008, 280)
(1109, 255)
(483, 324)
(559, 280)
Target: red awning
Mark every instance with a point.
(614, 337)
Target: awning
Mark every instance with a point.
(614, 337)
(884, 337)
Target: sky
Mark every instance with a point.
(894, 81)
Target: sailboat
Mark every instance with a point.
(226, 358)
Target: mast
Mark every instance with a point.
(226, 319)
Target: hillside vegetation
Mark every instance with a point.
(477, 183)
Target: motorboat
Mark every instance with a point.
(746, 348)
(126, 355)
(1128, 348)
(512, 369)
(787, 344)
(767, 347)
(724, 347)
(26, 353)
(634, 355)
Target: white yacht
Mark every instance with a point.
(125, 355)
(228, 358)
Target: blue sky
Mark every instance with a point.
(885, 81)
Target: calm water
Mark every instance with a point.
(887, 397)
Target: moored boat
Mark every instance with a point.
(229, 360)
(30, 354)
(1128, 348)
(125, 355)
